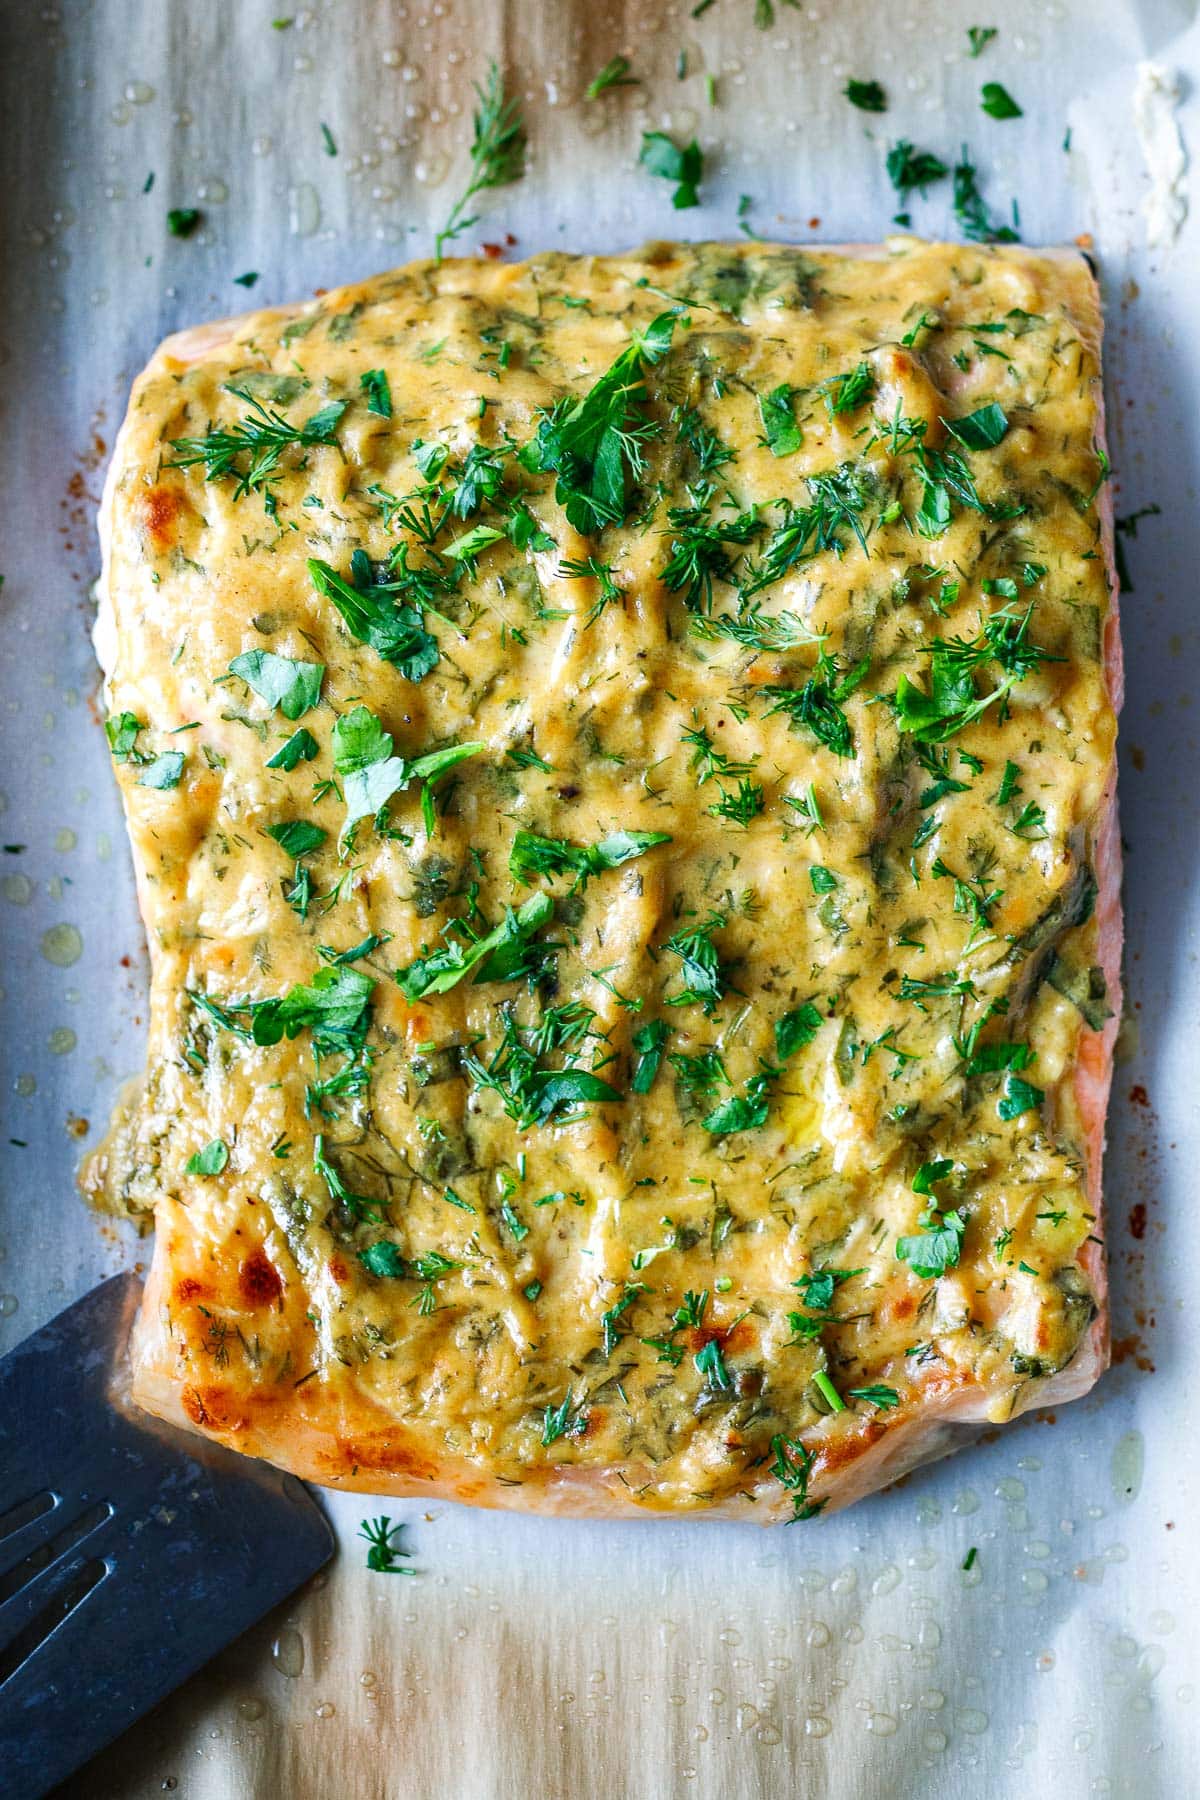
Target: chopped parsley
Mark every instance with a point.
(662, 156)
(868, 96)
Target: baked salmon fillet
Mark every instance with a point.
(619, 759)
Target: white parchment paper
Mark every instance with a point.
(851, 1657)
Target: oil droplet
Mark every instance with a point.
(103, 847)
(1162, 1622)
(325, 1710)
(138, 93)
(965, 1503)
(1126, 1468)
(971, 1720)
(887, 1580)
(1034, 1581)
(1150, 1662)
(17, 889)
(818, 1635)
(62, 1041)
(304, 210)
(65, 839)
(932, 1700)
(287, 1653)
(251, 1709)
(716, 1697)
(929, 1634)
(768, 1733)
(934, 1741)
(817, 1726)
(26, 1086)
(62, 945)
(1010, 1488)
(8, 1305)
(882, 1724)
(1082, 1740)
(746, 1716)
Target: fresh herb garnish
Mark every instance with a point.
(372, 613)
(997, 102)
(253, 448)
(497, 153)
(533, 855)
(793, 1466)
(953, 700)
(781, 434)
(209, 1161)
(649, 1041)
(499, 955)
(384, 1552)
(294, 687)
(362, 755)
(614, 74)
(301, 747)
(909, 168)
(165, 771)
(594, 443)
(662, 156)
(183, 220)
(979, 37)
(378, 391)
(705, 977)
(868, 96)
(970, 209)
(816, 707)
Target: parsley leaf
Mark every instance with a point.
(493, 957)
(979, 37)
(662, 156)
(649, 1041)
(704, 976)
(997, 102)
(533, 855)
(297, 837)
(594, 443)
(294, 687)
(301, 747)
(1019, 1097)
(395, 631)
(375, 385)
(796, 1029)
(209, 1161)
(166, 771)
(362, 754)
(910, 168)
(783, 435)
(980, 430)
(936, 1246)
(868, 96)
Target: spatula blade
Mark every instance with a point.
(130, 1552)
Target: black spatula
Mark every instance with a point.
(130, 1553)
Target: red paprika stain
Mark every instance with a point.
(259, 1280)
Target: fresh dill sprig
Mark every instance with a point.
(261, 437)
(383, 1552)
(497, 153)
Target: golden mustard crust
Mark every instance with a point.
(618, 756)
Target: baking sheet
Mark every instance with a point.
(851, 1657)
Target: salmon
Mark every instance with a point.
(689, 1096)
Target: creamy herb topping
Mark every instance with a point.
(622, 909)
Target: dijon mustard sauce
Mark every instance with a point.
(614, 751)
